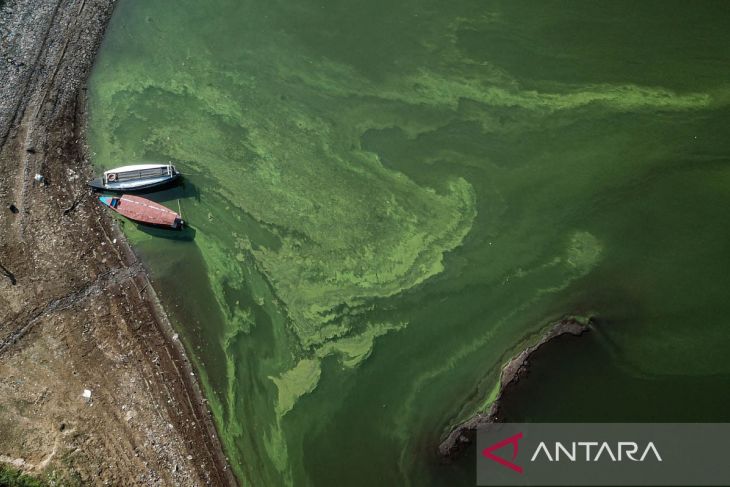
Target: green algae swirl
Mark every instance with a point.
(387, 199)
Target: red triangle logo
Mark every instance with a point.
(487, 452)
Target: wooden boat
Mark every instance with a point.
(136, 178)
(143, 210)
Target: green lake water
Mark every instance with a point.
(388, 199)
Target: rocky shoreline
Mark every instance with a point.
(78, 316)
(465, 433)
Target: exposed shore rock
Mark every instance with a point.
(94, 389)
(465, 433)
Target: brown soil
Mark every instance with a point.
(77, 311)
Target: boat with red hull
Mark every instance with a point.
(143, 210)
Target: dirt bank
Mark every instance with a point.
(77, 312)
(465, 433)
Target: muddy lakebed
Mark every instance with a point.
(387, 200)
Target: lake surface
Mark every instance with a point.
(388, 199)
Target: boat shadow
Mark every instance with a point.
(184, 234)
(179, 189)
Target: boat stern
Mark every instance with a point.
(107, 201)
